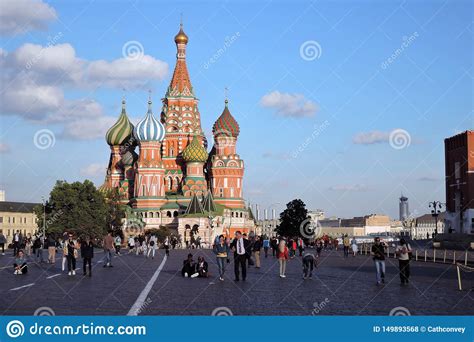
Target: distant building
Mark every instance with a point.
(17, 216)
(267, 227)
(317, 214)
(403, 208)
(425, 226)
(459, 168)
(360, 226)
(2, 195)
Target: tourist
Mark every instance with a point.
(66, 237)
(378, 253)
(38, 246)
(257, 246)
(274, 245)
(166, 244)
(346, 242)
(189, 267)
(19, 265)
(108, 248)
(131, 244)
(16, 242)
(202, 267)
(3, 241)
(319, 247)
(300, 246)
(240, 246)
(309, 262)
(51, 249)
(87, 253)
(403, 252)
(152, 246)
(336, 243)
(221, 250)
(354, 247)
(71, 256)
(266, 245)
(283, 256)
(28, 244)
(118, 244)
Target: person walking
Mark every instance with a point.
(309, 262)
(71, 257)
(300, 246)
(28, 244)
(378, 253)
(319, 247)
(152, 245)
(283, 256)
(118, 244)
(131, 244)
(266, 245)
(346, 242)
(257, 246)
(221, 250)
(39, 243)
(51, 249)
(19, 265)
(87, 253)
(16, 243)
(166, 244)
(354, 246)
(239, 246)
(403, 252)
(66, 238)
(3, 241)
(108, 249)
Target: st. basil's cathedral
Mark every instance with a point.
(173, 181)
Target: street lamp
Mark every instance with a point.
(44, 217)
(435, 211)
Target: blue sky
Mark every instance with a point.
(322, 127)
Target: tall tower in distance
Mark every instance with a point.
(403, 208)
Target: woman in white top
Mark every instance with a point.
(152, 245)
(355, 249)
(403, 252)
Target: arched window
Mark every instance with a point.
(150, 215)
(146, 215)
(170, 183)
(168, 213)
(157, 214)
(175, 213)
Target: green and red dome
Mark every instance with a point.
(226, 125)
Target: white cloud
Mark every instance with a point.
(349, 187)
(373, 137)
(93, 170)
(20, 16)
(292, 105)
(87, 129)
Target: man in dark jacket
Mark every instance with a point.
(87, 253)
(240, 246)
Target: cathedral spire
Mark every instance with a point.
(180, 83)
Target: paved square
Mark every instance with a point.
(339, 287)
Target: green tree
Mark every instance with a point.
(115, 212)
(160, 233)
(292, 218)
(76, 207)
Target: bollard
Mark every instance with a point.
(454, 257)
(444, 257)
(416, 255)
(465, 258)
(434, 255)
(459, 279)
(425, 254)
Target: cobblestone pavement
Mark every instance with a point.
(339, 287)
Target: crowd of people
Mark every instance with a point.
(247, 251)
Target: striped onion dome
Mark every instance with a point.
(149, 128)
(121, 130)
(194, 152)
(226, 125)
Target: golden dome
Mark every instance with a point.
(181, 37)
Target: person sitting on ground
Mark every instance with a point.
(309, 262)
(189, 267)
(20, 266)
(202, 268)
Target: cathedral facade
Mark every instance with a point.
(164, 173)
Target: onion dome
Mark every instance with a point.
(121, 130)
(226, 125)
(149, 128)
(194, 152)
(181, 37)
